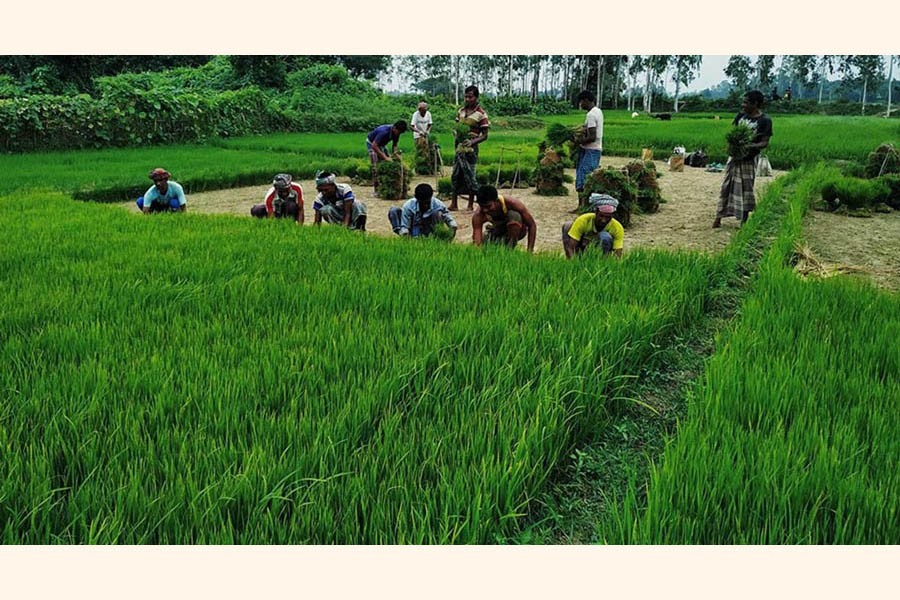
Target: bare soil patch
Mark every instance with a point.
(683, 221)
(870, 245)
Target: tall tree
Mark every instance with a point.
(656, 66)
(739, 71)
(894, 58)
(871, 72)
(825, 66)
(765, 64)
(685, 70)
(799, 67)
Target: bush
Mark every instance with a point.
(507, 105)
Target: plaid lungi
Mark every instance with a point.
(463, 176)
(736, 197)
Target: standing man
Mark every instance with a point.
(284, 199)
(736, 198)
(420, 214)
(466, 154)
(421, 124)
(590, 142)
(335, 203)
(163, 196)
(376, 144)
(506, 220)
(597, 227)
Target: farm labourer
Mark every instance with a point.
(736, 198)
(590, 140)
(466, 155)
(163, 196)
(421, 124)
(284, 199)
(420, 214)
(335, 203)
(505, 220)
(597, 226)
(377, 141)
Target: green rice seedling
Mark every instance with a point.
(165, 385)
(617, 184)
(854, 193)
(767, 456)
(738, 140)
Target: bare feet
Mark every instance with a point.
(717, 223)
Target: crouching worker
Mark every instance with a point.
(163, 196)
(284, 199)
(505, 220)
(421, 214)
(595, 227)
(335, 203)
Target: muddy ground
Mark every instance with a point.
(871, 245)
(683, 221)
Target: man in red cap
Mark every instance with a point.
(163, 196)
(597, 226)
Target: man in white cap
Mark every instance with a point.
(597, 226)
(421, 124)
(284, 199)
(335, 203)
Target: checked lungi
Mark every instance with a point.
(736, 197)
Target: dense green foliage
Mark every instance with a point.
(167, 382)
(792, 437)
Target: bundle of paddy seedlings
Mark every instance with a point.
(644, 176)
(461, 133)
(739, 140)
(884, 160)
(393, 179)
(549, 174)
(427, 156)
(565, 140)
(617, 184)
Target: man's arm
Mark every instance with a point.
(300, 216)
(269, 202)
(762, 143)
(182, 201)
(379, 151)
(590, 136)
(405, 220)
(477, 224)
(483, 135)
(527, 219)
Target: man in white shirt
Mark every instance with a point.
(590, 141)
(421, 124)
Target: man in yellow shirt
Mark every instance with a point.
(597, 226)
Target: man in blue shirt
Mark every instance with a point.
(420, 214)
(164, 196)
(377, 141)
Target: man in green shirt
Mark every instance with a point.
(597, 226)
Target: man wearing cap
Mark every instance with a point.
(377, 141)
(421, 214)
(284, 199)
(505, 220)
(335, 203)
(163, 196)
(597, 226)
(421, 124)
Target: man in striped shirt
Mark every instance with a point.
(335, 203)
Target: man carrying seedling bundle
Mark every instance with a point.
(736, 199)
(421, 124)
(590, 141)
(595, 227)
(505, 220)
(335, 203)
(377, 142)
(163, 196)
(472, 129)
(421, 214)
(284, 199)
